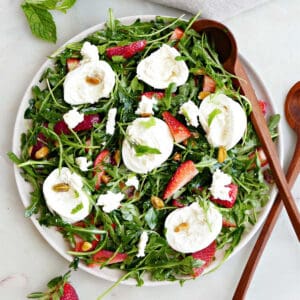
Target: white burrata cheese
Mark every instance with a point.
(161, 68)
(72, 118)
(72, 205)
(142, 244)
(223, 120)
(219, 187)
(156, 136)
(132, 181)
(83, 163)
(191, 228)
(191, 112)
(146, 106)
(92, 80)
(111, 121)
(110, 201)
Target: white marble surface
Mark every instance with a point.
(268, 36)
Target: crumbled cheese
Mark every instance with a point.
(73, 118)
(191, 112)
(146, 106)
(111, 121)
(83, 163)
(132, 181)
(89, 53)
(110, 201)
(142, 244)
(219, 187)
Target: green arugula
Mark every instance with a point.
(40, 19)
(212, 115)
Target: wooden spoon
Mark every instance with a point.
(226, 48)
(292, 113)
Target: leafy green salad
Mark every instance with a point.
(141, 152)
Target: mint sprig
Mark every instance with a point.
(40, 19)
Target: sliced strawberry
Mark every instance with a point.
(178, 130)
(126, 51)
(232, 195)
(184, 173)
(69, 293)
(103, 256)
(227, 223)
(209, 85)
(72, 63)
(177, 203)
(177, 34)
(261, 156)
(157, 95)
(206, 255)
(98, 167)
(89, 120)
(268, 176)
(263, 106)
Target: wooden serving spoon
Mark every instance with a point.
(292, 113)
(226, 48)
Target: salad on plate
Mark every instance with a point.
(141, 153)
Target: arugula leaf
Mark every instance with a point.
(41, 22)
(212, 115)
(141, 150)
(77, 208)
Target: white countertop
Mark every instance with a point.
(268, 36)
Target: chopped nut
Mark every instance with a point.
(117, 157)
(145, 115)
(61, 187)
(56, 143)
(157, 202)
(182, 226)
(222, 154)
(199, 72)
(122, 185)
(195, 134)
(92, 80)
(185, 142)
(30, 150)
(86, 246)
(203, 94)
(105, 179)
(177, 156)
(42, 153)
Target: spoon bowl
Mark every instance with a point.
(292, 107)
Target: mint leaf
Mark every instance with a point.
(44, 4)
(149, 123)
(41, 22)
(212, 115)
(141, 150)
(151, 218)
(64, 5)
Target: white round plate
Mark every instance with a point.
(54, 238)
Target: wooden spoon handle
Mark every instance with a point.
(262, 131)
(267, 229)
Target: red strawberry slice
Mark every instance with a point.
(72, 63)
(209, 85)
(177, 34)
(89, 120)
(263, 106)
(69, 293)
(157, 95)
(227, 223)
(261, 156)
(268, 176)
(184, 173)
(206, 255)
(98, 167)
(103, 256)
(177, 203)
(232, 195)
(178, 130)
(126, 51)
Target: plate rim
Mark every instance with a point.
(20, 181)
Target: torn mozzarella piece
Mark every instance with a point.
(191, 113)
(223, 120)
(219, 187)
(110, 201)
(146, 106)
(64, 195)
(83, 163)
(161, 68)
(111, 121)
(72, 118)
(142, 244)
(192, 228)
